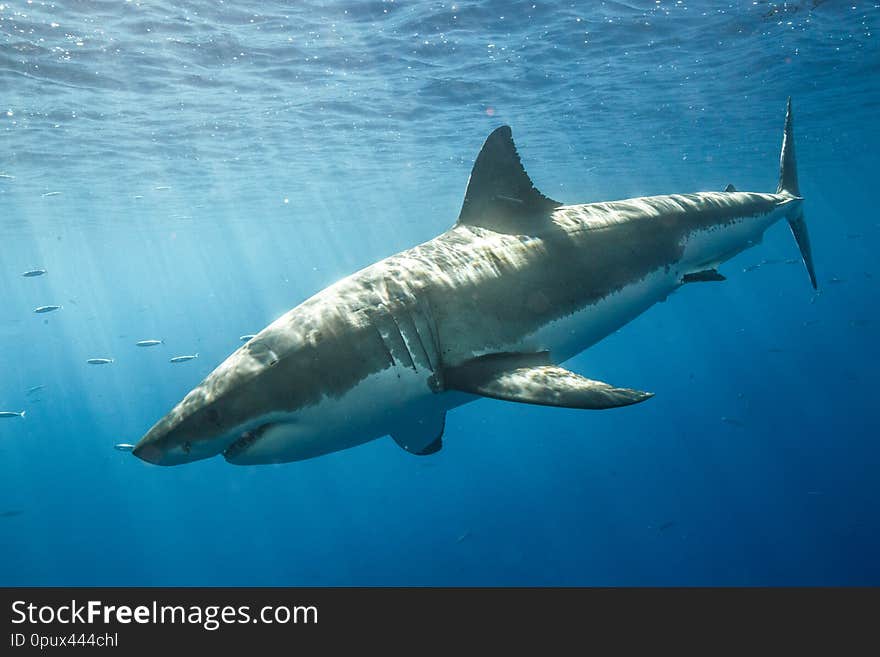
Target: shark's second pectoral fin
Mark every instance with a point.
(707, 275)
(531, 378)
(423, 436)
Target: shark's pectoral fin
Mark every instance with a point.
(433, 448)
(423, 436)
(531, 378)
(703, 276)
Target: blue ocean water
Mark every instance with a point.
(188, 171)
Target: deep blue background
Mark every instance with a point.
(219, 164)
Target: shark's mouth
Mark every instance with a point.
(244, 442)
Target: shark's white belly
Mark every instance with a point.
(705, 249)
(399, 396)
(373, 408)
(568, 336)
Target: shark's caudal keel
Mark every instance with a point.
(489, 308)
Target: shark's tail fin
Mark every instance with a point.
(788, 184)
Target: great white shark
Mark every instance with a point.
(490, 308)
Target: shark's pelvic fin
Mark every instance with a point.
(730, 188)
(702, 276)
(424, 436)
(500, 195)
(531, 378)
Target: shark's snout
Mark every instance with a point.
(173, 443)
(148, 452)
(166, 450)
(172, 451)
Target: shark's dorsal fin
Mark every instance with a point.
(531, 378)
(500, 195)
(730, 188)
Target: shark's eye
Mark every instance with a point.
(212, 415)
(186, 447)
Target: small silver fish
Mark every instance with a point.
(12, 414)
(34, 389)
(100, 361)
(149, 343)
(47, 309)
(34, 272)
(50, 194)
(183, 359)
(123, 447)
(732, 421)
(245, 338)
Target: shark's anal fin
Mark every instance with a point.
(500, 195)
(531, 378)
(423, 436)
(703, 276)
(730, 188)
